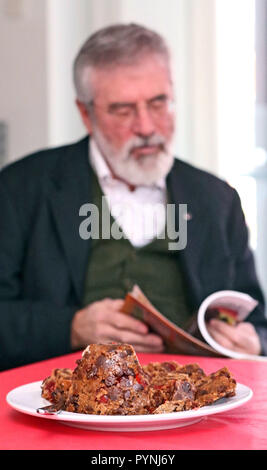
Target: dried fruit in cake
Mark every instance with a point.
(55, 387)
(194, 371)
(172, 369)
(170, 381)
(176, 388)
(215, 386)
(162, 369)
(108, 380)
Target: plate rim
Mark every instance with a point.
(129, 419)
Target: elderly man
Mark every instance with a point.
(59, 291)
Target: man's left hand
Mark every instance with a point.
(241, 338)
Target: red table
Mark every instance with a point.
(242, 428)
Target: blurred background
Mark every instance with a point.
(219, 52)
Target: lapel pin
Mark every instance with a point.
(188, 216)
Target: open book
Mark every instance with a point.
(230, 306)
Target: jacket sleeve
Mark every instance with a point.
(245, 273)
(30, 330)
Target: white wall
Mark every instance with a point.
(69, 23)
(23, 97)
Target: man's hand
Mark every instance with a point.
(242, 337)
(102, 321)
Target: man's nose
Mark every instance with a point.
(143, 124)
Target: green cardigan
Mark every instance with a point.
(115, 265)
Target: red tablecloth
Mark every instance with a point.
(242, 428)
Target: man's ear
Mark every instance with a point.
(83, 110)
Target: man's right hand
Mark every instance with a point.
(102, 321)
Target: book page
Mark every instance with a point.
(231, 302)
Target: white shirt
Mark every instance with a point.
(141, 214)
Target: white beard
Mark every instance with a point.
(145, 170)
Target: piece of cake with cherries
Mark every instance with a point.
(108, 380)
(219, 384)
(55, 388)
(171, 382)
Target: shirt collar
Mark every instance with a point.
(101, 168)
(98, 162)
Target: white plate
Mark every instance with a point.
(27, 399)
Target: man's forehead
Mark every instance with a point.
(126, 82)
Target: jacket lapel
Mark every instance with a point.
(70, 189)
(182, 191)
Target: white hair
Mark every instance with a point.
(120, 44)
